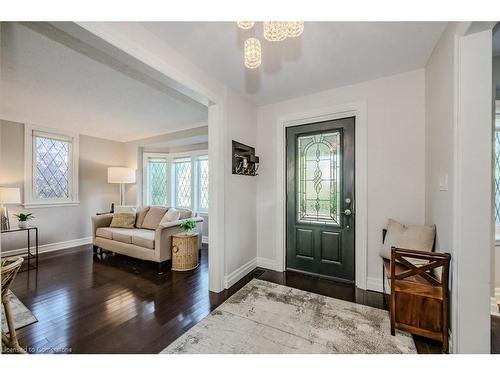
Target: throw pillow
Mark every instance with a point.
(153, 217)
(123, 220)
(414, 237)
(140, 216)
(171, 215)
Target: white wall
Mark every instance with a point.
(396, 175)
(241, 191)
(58, 224)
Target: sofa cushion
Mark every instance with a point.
(144, 238)
(171, 215)
(104, 232)
(140, 216)
(153, 217)
(185, 213)
(414, 237)
(123, 235)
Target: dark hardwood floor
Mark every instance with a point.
(88, 303)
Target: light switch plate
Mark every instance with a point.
(443, 182)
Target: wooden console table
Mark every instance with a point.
(29, 254)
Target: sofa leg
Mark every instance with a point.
(95, 248)
(162, 266)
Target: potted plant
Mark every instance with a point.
(187, 226)
(23, 218)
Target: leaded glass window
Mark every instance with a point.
(157, 182)
(51, 174)
(318, 177)
(203, 183)
(497, 170)
(183, 182)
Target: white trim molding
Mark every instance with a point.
(47, 248)
(30, 201)
(267, 263)
(354, 109)
(239, 273)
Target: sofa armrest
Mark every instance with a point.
(99, 221)
(177, 223)
(163, 236)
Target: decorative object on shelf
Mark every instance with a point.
(122, 176)
(245, 162)
(8, 196)
(187, 226)
(273, 31)
(185, 252)
(23, 218)
(253, 55)
(245, 25)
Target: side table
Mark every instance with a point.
(184, 252)
(30, 256)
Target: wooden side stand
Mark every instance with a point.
(419, 299)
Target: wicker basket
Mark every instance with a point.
(184, 252)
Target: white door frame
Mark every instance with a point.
(358, 110)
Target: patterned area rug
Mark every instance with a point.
(264, 317)
(21, 314)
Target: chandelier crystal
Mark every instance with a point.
(245, 25)
(294, 28)
(252, 53)
(275, 31)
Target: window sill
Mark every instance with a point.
(50, 204)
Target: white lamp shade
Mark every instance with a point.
(121, 175)
(10, 195)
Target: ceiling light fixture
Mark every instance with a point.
(245, 25)
(253, 53)
(274, 31)
(294, 29)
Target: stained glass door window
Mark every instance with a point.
(318, 178)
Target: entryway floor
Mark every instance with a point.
(88, 303)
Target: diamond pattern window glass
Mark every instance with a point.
(497, 170)
(157, 182)
(203, 183)
(51, 170)
(183, 182)
(318, 177)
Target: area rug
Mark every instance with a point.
(22, 316)
(264, 317)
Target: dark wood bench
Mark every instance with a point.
(418, 299)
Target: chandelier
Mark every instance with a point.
(274, 31)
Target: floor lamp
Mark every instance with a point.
(8, 196)
(122, 176)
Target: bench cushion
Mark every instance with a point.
(414, 237)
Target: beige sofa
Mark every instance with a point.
(148, 240)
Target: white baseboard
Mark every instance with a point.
(375, 284)
(269, 264)
(204, 239)
(239, 273)
(51, 246)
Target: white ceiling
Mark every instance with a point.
(56, 86)
(327, 55)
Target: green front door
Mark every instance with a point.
(320, 199)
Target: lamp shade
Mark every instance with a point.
(121, 175)
(10, 195)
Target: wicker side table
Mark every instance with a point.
(184, 252)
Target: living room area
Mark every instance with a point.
(248, 187)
